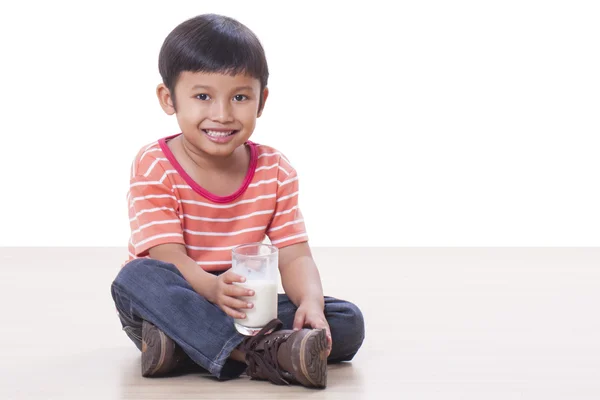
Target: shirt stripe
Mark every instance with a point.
(301, 235)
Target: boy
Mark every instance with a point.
(196, 195)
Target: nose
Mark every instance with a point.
(221, 111)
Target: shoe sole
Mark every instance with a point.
(313, 358)
(157, 351)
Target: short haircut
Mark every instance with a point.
(214, 44)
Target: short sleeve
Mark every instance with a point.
(287, 225)
(153, 215)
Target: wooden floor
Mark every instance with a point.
(440, 324)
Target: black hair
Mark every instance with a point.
(214, 44)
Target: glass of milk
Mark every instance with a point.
(259, 263)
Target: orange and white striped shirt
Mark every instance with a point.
(167, 206)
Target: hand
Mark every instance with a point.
(224, 294)
(311, 314)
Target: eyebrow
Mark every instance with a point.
(239, 88)
(200, 87)
(236, 89)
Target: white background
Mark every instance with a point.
(428, 123)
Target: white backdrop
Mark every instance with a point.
(433, 123)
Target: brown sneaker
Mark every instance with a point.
(160, 354)
(286, 356)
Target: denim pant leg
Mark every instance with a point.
(147, 289)
(345, 321)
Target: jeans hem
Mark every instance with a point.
(222, 367)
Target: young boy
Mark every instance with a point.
(196, 195)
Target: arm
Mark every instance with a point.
(175, 253)
(218, 290)
(299, 275)
(302, 283)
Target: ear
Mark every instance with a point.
(165, 99)
(265, 95)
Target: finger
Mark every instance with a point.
(237, 291)
(328, 330)
(328, 335)
(329, 340)
(299, 320)
(231, 277)
(237, 304)
(233, 313)
(322, 324)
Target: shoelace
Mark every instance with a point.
(265, 361)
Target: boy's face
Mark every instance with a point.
(216, 112)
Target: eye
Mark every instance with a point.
(240, 97)
(202, 96)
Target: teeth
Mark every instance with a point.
(218, 133)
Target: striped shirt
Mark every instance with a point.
(167, 206)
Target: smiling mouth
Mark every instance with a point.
(219, 134)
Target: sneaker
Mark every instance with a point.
(160, 354)
(287, 356)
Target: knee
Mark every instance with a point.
(355, 322)
(348, 329)
(136, 272)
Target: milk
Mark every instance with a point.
(264, 300)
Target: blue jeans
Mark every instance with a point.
(155, 291)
